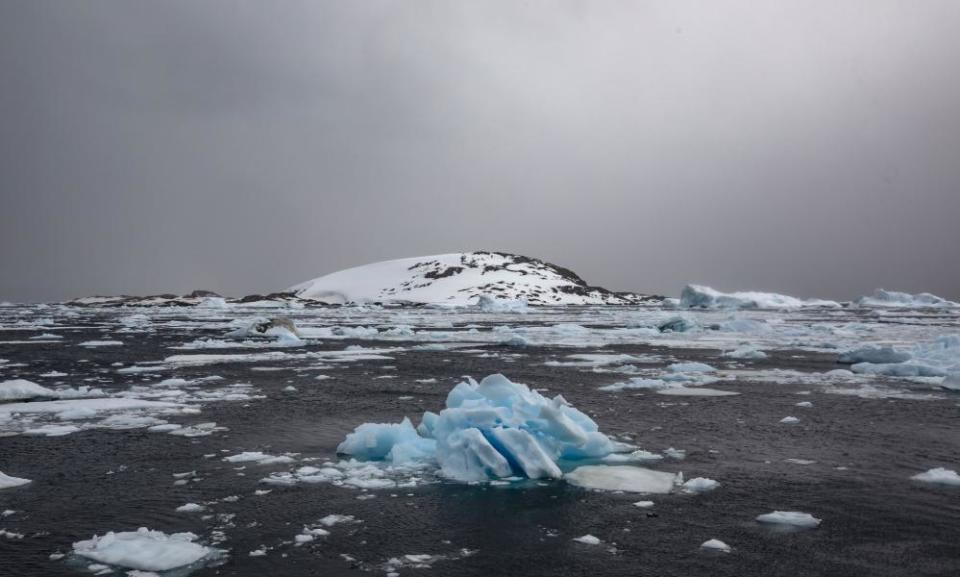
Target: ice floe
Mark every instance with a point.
(7, 481)
(938, 475)
(622, 478)
(145, 550)
(790, 518)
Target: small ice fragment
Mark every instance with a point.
(716, 545)
(700, 485)
(791, 518)
(587, 540)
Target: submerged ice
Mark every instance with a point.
(492, 429)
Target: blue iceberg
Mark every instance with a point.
(492, 429)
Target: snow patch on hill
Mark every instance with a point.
(459, 279)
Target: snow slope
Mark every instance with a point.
(459, 279)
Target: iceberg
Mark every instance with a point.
(885, 298)
(704, 297)
(489, 430)
(22, 389)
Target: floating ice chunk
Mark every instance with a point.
(398, 442)
(678, 454)
(698, 296)
(144, 549)
(939, 475)
(691, 367)
(621, 478)
(46, 337)
(804, 404)
(52, 430)
(490, 304)
(789, 420)
(587, 540)
(791, 518)
(700, 485)
(22, 389)
(516, 341)
(284, 331)
(191, 508)
(695, 392)
(638, 383)
(639, 456)
(676, 324)
(872, 354)
(746, 353)
(643, 504)
(101, 343)
(716, 545)
(6, 482)
(259, 457)
(334, 519)
(885, 298)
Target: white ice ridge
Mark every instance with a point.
(144, 550)
(490, 430)
(699, 296)
(885, 298)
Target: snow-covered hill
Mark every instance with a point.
(459, 279)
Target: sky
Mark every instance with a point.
(804, 147)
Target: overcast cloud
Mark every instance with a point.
(811, 148)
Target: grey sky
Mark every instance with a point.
(811, 148)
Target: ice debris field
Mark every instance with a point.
(710, 431)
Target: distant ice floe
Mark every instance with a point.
(22, 389)
(145, 550)
(140, 406)
(704, 297)
(7, 481)
(885, 298)
(106, 343)
(790, 518)
(939, 476)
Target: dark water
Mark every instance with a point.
(876, 522)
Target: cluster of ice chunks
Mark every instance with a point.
(492, 429)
